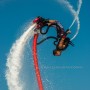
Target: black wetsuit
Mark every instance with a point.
(43, 20)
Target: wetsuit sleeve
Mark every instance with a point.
(46, 20)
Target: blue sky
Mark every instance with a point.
(13, 17)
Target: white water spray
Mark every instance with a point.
(14, 60)
(75, 14)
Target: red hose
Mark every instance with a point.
(36, 66)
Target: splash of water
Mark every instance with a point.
(14, 60)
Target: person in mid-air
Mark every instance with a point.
(62, 44)
(64, 41)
